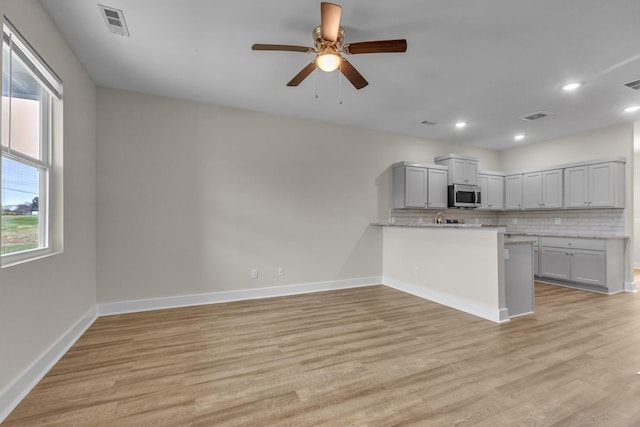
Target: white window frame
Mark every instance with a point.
(52, 92)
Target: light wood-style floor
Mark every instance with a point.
(367, 356)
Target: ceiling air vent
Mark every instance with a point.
(635, 85)
(115, 20)
(535, 116)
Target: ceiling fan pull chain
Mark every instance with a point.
(340, 85)
(316, 73)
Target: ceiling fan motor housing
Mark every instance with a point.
(320, 42)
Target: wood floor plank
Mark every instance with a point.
(367, 356)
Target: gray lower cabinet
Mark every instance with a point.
(518, 274)
(556, 263)
(587, 263)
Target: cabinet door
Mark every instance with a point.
(483, 183)
(601, 185)
(552, 189)
(576, 187)
(471, 172)
(588, 267)
(463, 171)
(495, 194)
(532, 190)
(555, 263)
(513, 192)
(437, 189)
(458, 171)
(415, 187)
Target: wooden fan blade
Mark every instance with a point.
(282, 47)
(352, 74)
(330, 21)
(303, 74)
(380, 46)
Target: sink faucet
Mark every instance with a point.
(439, 218)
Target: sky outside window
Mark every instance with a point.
(20, 183)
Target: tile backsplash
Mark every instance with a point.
(587, 222)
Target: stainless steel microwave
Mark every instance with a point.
(464, 196)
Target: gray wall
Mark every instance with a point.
(40, 300)
(192, 196)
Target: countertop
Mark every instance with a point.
(516, 241)
(430, 225)
(508, 235)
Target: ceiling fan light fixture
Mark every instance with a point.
(570, 87)
(328, 60)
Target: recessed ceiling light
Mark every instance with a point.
(518, 137)
(460, 125)
(632, 109)
(571, 86)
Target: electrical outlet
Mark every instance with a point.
(280, 271)
(558, 221)
(506, 254)
(514, 221)
(420, 220)
(254, 273)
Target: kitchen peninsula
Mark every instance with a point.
(461, 266)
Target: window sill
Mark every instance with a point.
(9, 260)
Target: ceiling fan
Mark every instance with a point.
(329, 45)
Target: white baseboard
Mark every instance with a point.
(133, 306)
(630, 287)
(459, 303)
(11, 396)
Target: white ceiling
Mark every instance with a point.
(487, 62)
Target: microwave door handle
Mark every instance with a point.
(476, 197)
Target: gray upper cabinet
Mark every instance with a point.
(599, 185)
(415, 188)
(513, 192)
(437, 189)
(462, 169)
(542, 190)
(419, 186)
(491, 191)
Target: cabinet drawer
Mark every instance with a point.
(573, 243)
(523, 237)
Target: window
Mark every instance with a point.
(29, 93)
